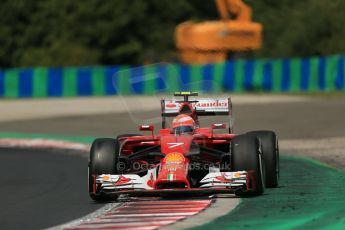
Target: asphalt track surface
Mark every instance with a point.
(38, 194)
(42, 188)
(317, 118)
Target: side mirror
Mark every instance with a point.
(218, 126)
(146, 128)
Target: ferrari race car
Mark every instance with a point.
(185, 158)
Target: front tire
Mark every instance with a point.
(104, 156)
(269, 142)
(246, 156)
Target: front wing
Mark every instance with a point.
(212, 183)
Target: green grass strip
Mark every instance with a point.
(295, 75)
(11, 83)
(196, 78)
(172, 78)
(123, 80)
(98, 81)
(277, 75)
(218, 77)
(314, 75)
(39, 84)
(69, 85)
(150, 79)
(239, 76)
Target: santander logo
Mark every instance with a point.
(212, 104)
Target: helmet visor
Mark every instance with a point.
(183, 129)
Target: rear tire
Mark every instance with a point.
(270, 149)
(246, 156)
(104, 156)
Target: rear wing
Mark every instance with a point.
(202, 106)
(199, 107)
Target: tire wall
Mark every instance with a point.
(315, 74)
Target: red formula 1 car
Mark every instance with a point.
(185, 158)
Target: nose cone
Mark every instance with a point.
(173, 172)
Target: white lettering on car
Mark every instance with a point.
(174, 144)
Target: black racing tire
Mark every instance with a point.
(270, 149)
(246, 156)
(104, 156)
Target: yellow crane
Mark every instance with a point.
(211, 41)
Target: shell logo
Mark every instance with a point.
(174, 158)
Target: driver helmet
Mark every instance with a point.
(183, 124)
